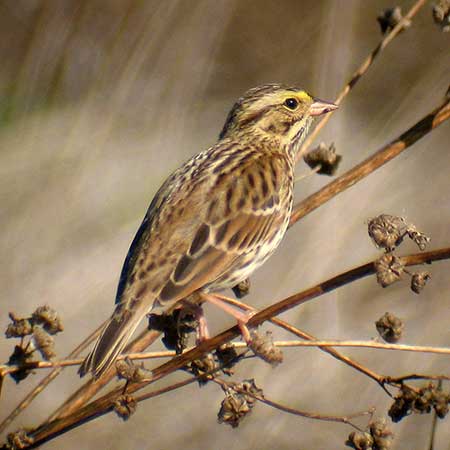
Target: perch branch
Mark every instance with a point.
(372, 163)
(297, 412)
(103, 405)
(362, 69)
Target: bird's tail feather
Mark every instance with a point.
(112, 341)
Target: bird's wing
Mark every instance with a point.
(199, 229)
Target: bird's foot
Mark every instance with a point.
(242, 317)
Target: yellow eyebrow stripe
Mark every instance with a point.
(303, 95)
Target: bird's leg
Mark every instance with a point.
(242, 317)
(202, 330)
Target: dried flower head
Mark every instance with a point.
(242, 289)
(389, 269)
(441, 14)
(420, 401)
(43, 342)
(20, 357)
(227, 357)
(360, 440)
(387, 231)
(420, 239)
(389, 18)
(263, 347)
(129, 371)
(381, 434)
(233, 409)
(419, 281)
(325, 157)
(19, 327)
(204, 368)
(48, 318)
(390, 327)
(237, 403)
(176, 327)
(125, 406)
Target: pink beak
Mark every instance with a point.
(320, 107)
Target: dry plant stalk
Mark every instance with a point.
(72, 413)
(105, 404)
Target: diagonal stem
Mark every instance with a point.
(362, 69)
(374, 162)
(103, 405)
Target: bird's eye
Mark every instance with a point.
(291, 103)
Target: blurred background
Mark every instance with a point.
(100, 100)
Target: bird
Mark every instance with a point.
(215, 219)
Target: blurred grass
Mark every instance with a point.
(101, 100)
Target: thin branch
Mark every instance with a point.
(303, 208)
(285, 344)
(6, 370)
(362, 69)
(26, 401)
(103, 405)
(300, 333)
(372, 163)
(416, 376)
(91, 387)
(297, 412)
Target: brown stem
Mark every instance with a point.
(46, 381)
(372, 163)
(104, 404)
(90, 388)
(295, 411)
(362, 69)
(415, 376)
(309, 337)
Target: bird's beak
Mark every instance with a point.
(320, 107)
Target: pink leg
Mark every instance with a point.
(202, 331)
(241, 317)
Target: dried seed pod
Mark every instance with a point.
(43, 342)
(242, 289)
(129, 371)
(441, 14)
(249, 386)
(237, 403)
(389, 18)
(19, 327)
(441, 401)
(204, 368)
(20, 357)
(359, 440)
(227, 357)
(390, 327)
(125, 406)
(263, 347)
(420, 239)
(176, 327)
(325, 157)
(48, 318)
(403, 404)
(382, 435)
(233, 409)
(419, 280)
(387, 231)
(389, 269)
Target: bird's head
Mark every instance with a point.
(277, 113)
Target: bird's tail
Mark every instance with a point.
(112, 340)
